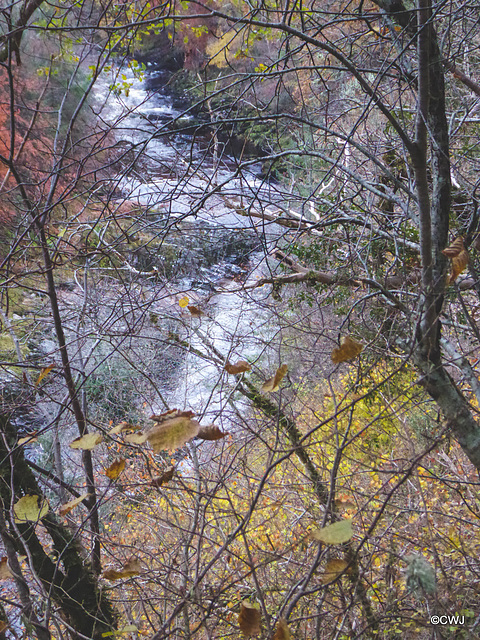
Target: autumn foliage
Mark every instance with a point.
(239, 374)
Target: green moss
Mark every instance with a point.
(7, 348)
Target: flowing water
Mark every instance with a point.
(178, 178)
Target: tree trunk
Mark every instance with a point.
(70, 580)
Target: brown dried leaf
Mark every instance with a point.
(184, 414)
(459, 264)
(210, 432)
(249, 619)
(115, 469)
(172, 433)
(5, 572)
(70, 506)
(333, 569)
(455, 248)
(87, 442)
(3, 626)
(349, 349)
(282, 632)
(195, 311)
(130, 569)
(44, 372)
(163, 479)
(273, 384)
(466, 284)
(111, 574)
(240, 367)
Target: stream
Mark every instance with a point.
(170, 180)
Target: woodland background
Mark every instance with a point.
(239, 365)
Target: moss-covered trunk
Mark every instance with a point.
(69, 578)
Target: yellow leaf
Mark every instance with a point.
(222, 51)
(136, 438)
(30, 509)
(335, 533)
(282, 632)
(211, 432)
(455, 248)
(123, 426)
(115, 469)
(172, 433)
(130, 569)
(3, 626)
(183, 302)
(349, 349)
(89, 441)
(5, 572)
(129, 628)
(44, 372)
(459, 264)
(70, 506)
(344, 504)
(28, 439)
(249, 619)
(333, 569)
(273, 384)
(240, 367)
